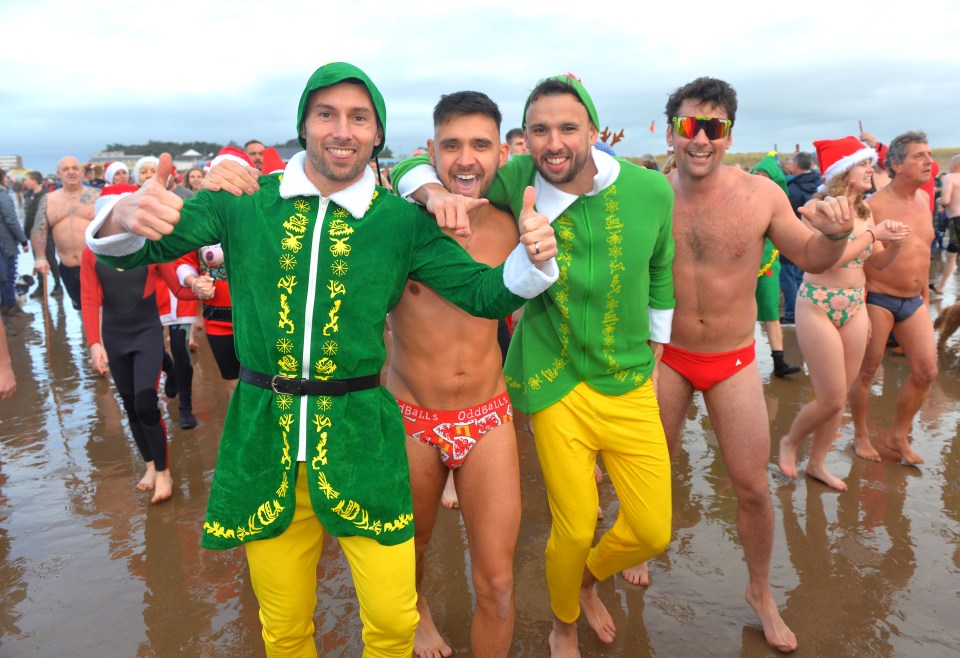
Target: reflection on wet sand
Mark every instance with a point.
(89, 568)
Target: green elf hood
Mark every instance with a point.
(577, 87)
(335, 73)
(771, 168)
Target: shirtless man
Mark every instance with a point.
(720, 218)
(897, 298)
(950, 198)
(452, 393)
(66, 212)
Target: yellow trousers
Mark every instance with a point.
(283, 571)
(626, 430)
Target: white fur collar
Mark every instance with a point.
(355, 199)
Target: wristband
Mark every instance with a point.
(838, 236)
(870, 231)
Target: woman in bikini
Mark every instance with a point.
(831, 329)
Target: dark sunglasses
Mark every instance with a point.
(689, 126)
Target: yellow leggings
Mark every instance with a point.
(284, 575)
(626, 429)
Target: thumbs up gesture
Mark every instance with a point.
(152, 211)
(535, 230)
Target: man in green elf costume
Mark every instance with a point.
(582, 359)
(312, 443)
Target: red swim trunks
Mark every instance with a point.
(704, 371)
(454, 433)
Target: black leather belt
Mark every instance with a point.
(281, 384)
(218, 313)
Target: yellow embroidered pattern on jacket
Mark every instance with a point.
(295, 228)
(560, 292)
(339, 233)
(614, 227)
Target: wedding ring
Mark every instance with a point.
(536, 247)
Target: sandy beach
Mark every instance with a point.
(88, 568)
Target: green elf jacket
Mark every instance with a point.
(312, 280)
(615, 289)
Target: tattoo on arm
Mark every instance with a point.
(38, 236)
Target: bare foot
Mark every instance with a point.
(787, 458)
(775, 630)
(902, 447)
(597, 614)
(563, 640)
(597, 474)
(164, 487)
(864, 449)
(822, 474)
(449, 497)
(149, 479)
(427, 642)
(638, 575)
(599, 513)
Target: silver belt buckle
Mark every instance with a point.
(273, 383)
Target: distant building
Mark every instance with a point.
(11, 162)
(106, 157)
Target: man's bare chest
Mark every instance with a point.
(79, 207)
(721, 236)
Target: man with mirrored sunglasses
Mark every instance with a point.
(721, 217)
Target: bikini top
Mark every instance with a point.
(861, 257)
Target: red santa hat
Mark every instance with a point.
(272, 161)
(113, 190)
(231, 153)
(112, 170)
(838, 156)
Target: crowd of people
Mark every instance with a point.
(639, 287)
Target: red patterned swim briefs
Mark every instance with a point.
(454, 433)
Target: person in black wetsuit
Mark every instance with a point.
(130, 344)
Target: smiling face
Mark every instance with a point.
(860, 178)
(194, 179)
(466, 152)
(340, 129)
(121, 177)
(559, 136)
(147, 170)
(698, 157)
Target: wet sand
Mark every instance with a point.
(88, 568)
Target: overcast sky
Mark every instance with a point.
(79, 75)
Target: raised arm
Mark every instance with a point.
(155, 233)
(817, 250)
(150, 212)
